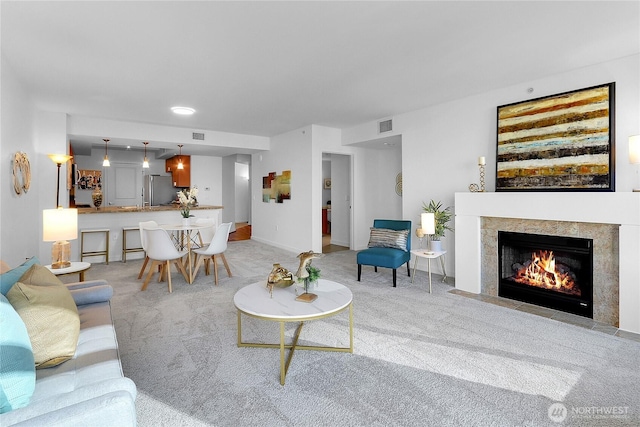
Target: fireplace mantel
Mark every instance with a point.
(621, 209)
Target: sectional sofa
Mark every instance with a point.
(88, 389)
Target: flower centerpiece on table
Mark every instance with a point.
(187, 199)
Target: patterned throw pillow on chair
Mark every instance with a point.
(385, 238)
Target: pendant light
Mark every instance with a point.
(106, 162)
(145, 162)
(180, 165)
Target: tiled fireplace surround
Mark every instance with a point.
(612, 220)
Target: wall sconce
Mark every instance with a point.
(106, 162)
(180, 165)
(60, 225)
(145, 161)
(634, 152)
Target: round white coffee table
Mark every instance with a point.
(254, 300)
(76, 267)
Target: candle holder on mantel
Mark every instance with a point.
(474, 188)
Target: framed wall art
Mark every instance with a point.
(89, 179)
(276, 188)
(563, 142)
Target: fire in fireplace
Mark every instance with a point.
(551, 271)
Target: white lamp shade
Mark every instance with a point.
(59, 224)
(428, 223)
(634, 149)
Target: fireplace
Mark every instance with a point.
(550, 271)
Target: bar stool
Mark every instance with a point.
(104, 252)
(125, 249)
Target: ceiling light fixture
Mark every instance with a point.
(145, 162)
(183, 111)
(106, 162)
(180, 165)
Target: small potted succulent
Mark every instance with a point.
(312, 279)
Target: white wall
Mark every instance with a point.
(382, 202)
(228, 178)
(206, 174)
(242, 197)
(441, 144)
(288, 225)
(91, 126)
(38, 134)
(341, 200)
(20, 215)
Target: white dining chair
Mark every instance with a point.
(142, 226)
(206, 233)
(216, 248)
(206, 236)
(161, 251)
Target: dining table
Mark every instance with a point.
(186, 236)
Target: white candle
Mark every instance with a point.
(481, 161)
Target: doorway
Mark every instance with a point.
(336, 202)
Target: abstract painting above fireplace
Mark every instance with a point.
(562, 142)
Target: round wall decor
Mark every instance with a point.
(21, 173)
(399, 184)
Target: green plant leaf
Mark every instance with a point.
(442, 217)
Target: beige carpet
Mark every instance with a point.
(420, 359)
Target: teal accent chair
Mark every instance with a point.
(387, 257)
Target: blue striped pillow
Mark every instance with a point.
(386, 238)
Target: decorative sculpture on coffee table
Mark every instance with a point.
(307, 274)
(279, 277)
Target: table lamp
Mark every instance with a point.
(428, 226)
(60, 225)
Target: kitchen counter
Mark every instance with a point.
(116, 218)
(126, 209)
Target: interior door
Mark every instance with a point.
(124, 184)
(341, 200)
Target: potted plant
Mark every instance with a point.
(309, 281)
(442, 218)
(187, 199)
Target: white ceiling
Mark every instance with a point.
(264, 68)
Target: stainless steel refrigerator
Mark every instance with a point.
(158, 190)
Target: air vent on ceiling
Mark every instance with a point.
(385, 126)
(198, 135)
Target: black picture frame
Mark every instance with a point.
(562, 142)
